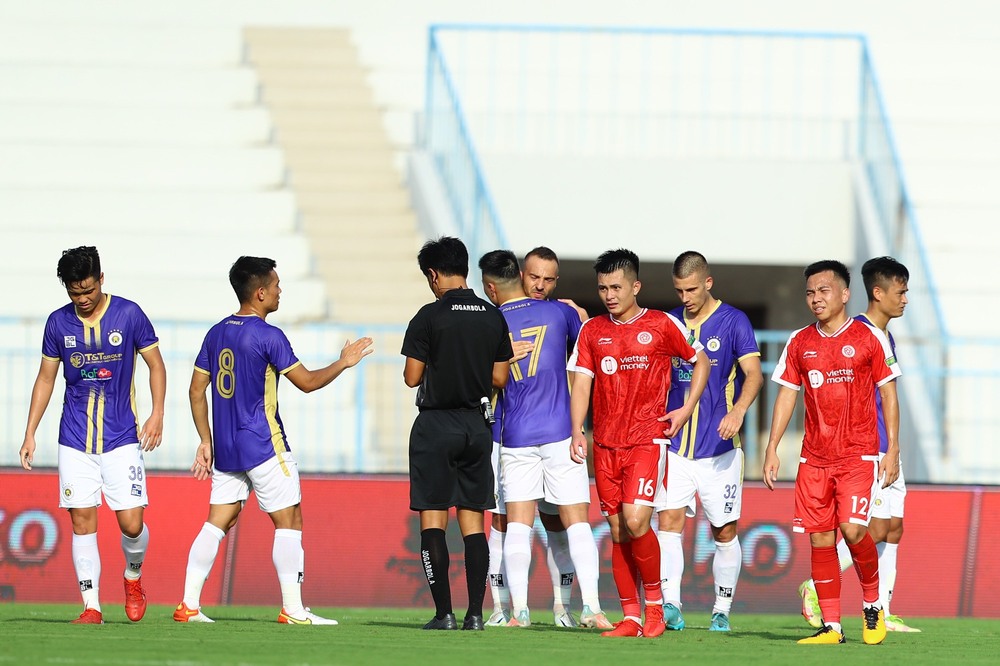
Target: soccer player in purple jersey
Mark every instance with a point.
(539, 278)
(97, 337)
(242, 359)
(886, 282)
(705, 456)
(533, 429)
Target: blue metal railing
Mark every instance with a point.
(447, 138)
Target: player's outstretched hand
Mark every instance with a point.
(578, 448)
(521, 349)
(27, 453)
(202, 466)
(770, 471)
(151, 435)
(353, 352)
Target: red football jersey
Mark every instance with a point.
(841, 374)
(630, 365)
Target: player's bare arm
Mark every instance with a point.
(676, 419)
(888, 468)
(413, 372)
(752, 383)
(151, 433)
(41, 392)
(784, 405)
(202, 466)
(501, 372)
(579, 403)
(308, 381)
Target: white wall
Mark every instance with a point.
(782, 213)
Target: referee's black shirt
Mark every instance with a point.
(458, 338)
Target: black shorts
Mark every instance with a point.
(450, 461)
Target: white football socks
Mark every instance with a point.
(671, 565)
(561, 569)
(844, 554)
(87, 563)
(586, 561)
(726, 569)
(201, 557)
(134, 549)
(498, 586)
(289, 562)
(517, 560)
(886, 573)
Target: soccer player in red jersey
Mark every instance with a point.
(838, 363)
(625, 359)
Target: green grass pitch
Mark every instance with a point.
(41, 634)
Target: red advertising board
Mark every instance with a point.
(362, 544)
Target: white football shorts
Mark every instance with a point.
(544, 472)
(497, 483)
(275, 481)
(120, 474)
(890, 501)
(717, 482)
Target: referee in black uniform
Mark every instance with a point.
(457, 349)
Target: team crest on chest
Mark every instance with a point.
(115, 338)
(847, 351)
(644, 338)
(713, 344)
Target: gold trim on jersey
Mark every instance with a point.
(88, 445)
(271, 414)
(94, 327)
(99, 444)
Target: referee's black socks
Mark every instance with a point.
(434, 559)
(477, 565)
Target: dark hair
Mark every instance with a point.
(881, 271)
(688, 263)
(542, 252)
(501, 266)
(248, 274)
(838, 268)
(79, 263)
(446, 255)
(618, 260)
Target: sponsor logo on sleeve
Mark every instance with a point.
(891, 361)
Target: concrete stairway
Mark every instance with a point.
(353, 206)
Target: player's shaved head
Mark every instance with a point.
(691, 263)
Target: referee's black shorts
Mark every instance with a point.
(450, 461)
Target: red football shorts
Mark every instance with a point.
(825, 497)
(629, 475)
